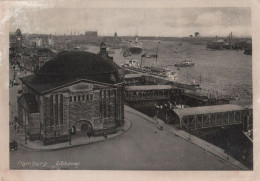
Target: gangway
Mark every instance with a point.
(149, 92)
(194, 118)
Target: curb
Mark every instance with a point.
(73, 146)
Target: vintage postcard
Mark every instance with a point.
(112, 86)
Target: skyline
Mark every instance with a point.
(164, 22)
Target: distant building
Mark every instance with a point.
(91, 33)
(37, 42)
(76, 93)
(196, 34)
(50, 41)
(15, 41)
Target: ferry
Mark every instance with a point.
(136, 47)
(157, 71)
(185, 63)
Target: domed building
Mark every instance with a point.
(76, 93)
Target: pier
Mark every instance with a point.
(144, 86)
(194, 118)
(149, 92)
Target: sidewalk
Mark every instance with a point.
(193, 139)
(80, 141)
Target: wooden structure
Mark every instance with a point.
(203, 98)
(135, 79)
(148, 92)
(210, 116)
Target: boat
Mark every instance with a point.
(150, 70)
(157, 71)
(161, 72)
(136, 47)
(77, 47)
(185, 63)
(154, 56)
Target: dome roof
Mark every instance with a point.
(81, 64)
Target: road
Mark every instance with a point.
(143, 147)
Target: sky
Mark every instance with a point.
(174, 22)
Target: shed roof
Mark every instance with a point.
(148, 87)
(129, 76)
(207, 109)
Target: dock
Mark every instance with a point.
(137, 84)
(194, 118)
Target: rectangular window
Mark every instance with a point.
(56, 109)
(87, 97)
(61, 109)
(83, 97)
(91, 97)
(51, 110)
(70, 98)
(79, 98)
(75, 98)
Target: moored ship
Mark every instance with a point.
(156, 71)
(136, 47)
(185, 63)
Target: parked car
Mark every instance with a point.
(13, 145)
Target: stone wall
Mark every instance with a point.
(101, 107)
(33, 126)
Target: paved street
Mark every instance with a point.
(143, 147)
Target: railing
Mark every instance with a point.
(212, 120)
(146, 95)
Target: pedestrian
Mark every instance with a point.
(155, 117)
(105, 135)
(17, 127)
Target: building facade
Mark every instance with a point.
(75, 93)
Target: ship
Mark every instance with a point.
(185, 63)
(136, 47)
(156, 71)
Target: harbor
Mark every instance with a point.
(154, 102)
(220, 88)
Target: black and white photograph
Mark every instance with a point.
(139, 88)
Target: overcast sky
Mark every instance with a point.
(177, 22)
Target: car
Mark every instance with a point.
(13, 145)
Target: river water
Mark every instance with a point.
(225, 71)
